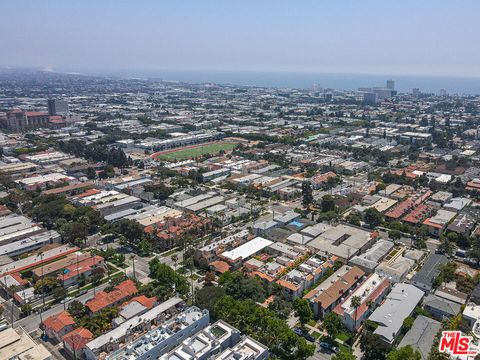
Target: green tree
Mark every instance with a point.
(332, 324)
(281, 307)
(343, 354)
(77, 309)
(404, 353)
(407, 324)
(475, 249)
(372, 346)
(206, 297)
(303, 310)
(356, 301)
(328, 203)
(373, 217)
(307, 196)
(446, 246)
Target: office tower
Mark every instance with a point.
(443, 92)
(416, 92)
(57, 107)
(391, 84)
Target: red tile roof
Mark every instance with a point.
(120, 292)
(77, 339)
(142, 299)
(80, 268)
(220, 266)
(59, 321)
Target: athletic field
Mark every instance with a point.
(193, 151)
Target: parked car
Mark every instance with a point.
(304, 334)
(327, 346)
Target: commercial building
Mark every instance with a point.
(17, 344)
(236, 256)
(344, 241)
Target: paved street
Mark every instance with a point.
(32, 322)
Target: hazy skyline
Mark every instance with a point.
(436, 38)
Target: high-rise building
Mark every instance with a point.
(416, 92)
(391, 84)
(443, 92)
(57, 107)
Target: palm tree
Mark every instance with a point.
(356, 302)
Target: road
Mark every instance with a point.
(32, 322)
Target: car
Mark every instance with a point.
(327, 346)
(82, 292)
(304, 334)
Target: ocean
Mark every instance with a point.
(303, 80)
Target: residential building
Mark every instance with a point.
(119, 294)
(325, 297)
(371, 292)
(440, 308)
(421, 335)
(398, 305)
(424, 278)
(57, 326)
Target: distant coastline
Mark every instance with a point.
(404, 83)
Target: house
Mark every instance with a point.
(440, 308)
(421, 335)
(75, 342)
(399, 304)
(424, 278)
(120, 293)
(58, 325)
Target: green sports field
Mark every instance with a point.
(191, 153)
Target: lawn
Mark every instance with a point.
(193, 152)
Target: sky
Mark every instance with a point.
(421, 37)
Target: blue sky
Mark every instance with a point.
(422, 37)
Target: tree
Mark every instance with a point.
(446, 246)
(59, 293)
(354, 219)
(328, 203)
(281, 307)
(241, 286)
(91, 173)
(307, 197)
(166, 281)
(77, 309)
(206, 297)
(373, 217)
(209, 278)
(332, 324)
(475, 249)
(303, 310)
(26, 309)
(372, 346)
(343, 355)
(407, 324)
(264, 326)
(356, 301)
(404, 353)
